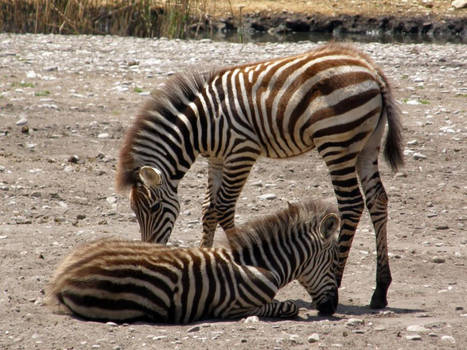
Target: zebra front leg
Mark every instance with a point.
(209, 218)
(276, 309)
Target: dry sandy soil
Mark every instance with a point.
(438, 8)
(65, 103)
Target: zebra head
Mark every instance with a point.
(319, 275)
(155, 204)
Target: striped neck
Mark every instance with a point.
(168, 133)
(280, 243)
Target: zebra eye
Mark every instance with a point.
(155, 207)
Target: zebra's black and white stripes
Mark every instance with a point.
(333, 99)
(127, 280)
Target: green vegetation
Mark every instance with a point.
(144, 18)
(22, 84)
(138, 90)
(42, 93)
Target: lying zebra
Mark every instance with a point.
(122, 280)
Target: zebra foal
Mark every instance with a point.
(333, 99)
(122, 280)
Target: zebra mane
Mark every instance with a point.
(179, 90)
(279, 224)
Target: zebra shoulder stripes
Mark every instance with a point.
(122, 280)
(333, 99)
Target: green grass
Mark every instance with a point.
(24, 84)
(138, 90)
(42, 93)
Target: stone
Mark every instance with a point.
(354, 322)
(251, 319)
(417, 329)
(194, 329)
(419, 156)
(448, 338)
(438, 260)
(313, 338)
(22, 121)
(413, 337)
(267, 196)
(73, 159)
(459, 4)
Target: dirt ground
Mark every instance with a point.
(372, 8)
(65, 103)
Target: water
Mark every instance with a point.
(384, 38)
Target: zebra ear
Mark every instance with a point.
(150, 176)
(329, 225)
(292, 208)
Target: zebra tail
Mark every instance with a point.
(393, 152)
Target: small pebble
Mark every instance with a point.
(419, 156)
(21, 122)
(353, 322)
(251, 319)
(313, 338)
(267, 196)
(417, 329)
(193, 329)
(73, 159)
(438, 260)
(448, 338)
(413, 337)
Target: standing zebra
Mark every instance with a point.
(125, 280)
(333, 99)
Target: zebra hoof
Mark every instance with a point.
(378, 300)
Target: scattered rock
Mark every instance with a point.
(111, 200)
(251, 319)
(438, 260)
(459, 4)
(419, 156)
(354, 322)
(448, 338)
(413, 337)
(313, 338)
(73, 159)
(22, 121)
(417, 329)
(267, 196)
(193, 329)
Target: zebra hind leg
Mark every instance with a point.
(377, 203)
(350, 204)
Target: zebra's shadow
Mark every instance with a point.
(356, 310)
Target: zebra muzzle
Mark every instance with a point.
(329, 304)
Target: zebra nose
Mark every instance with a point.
(329, 305)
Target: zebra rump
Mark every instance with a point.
(122, 280)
